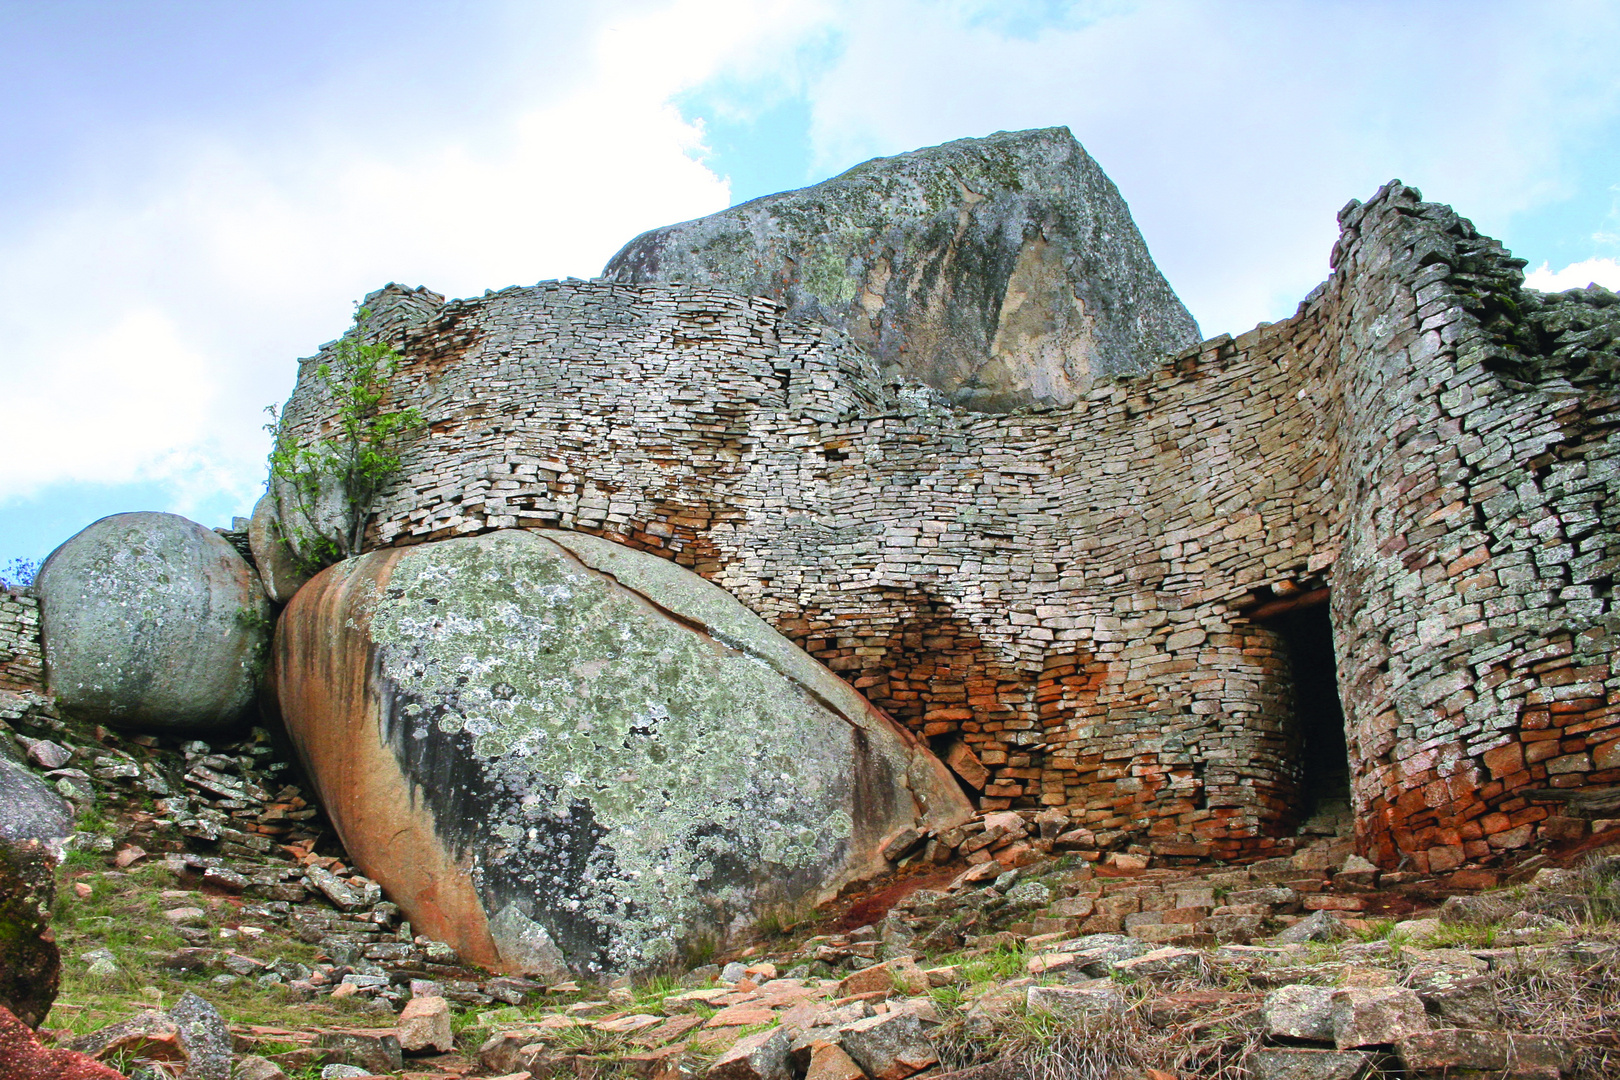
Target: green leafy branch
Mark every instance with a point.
(362, 454)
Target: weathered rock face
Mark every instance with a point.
(1003, 271)
(30, 965)
(277, 565)
(30, 810)
(151, 620)
(550, 748)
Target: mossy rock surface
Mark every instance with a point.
(152, 621)
(551, 750)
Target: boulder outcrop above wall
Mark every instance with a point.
(278, 567)
(151, 620)
(551, 749)
(1003, 271)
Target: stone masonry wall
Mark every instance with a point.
(1067, 591)
(22, 661)
(1473, 597)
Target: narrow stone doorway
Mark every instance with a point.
(1307, 635)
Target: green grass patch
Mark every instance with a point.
(124, 915)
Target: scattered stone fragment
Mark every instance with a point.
(1451, 1049)
(1320, 926)
(1299, 1012)
(900, 974)
(889, 1046)
(1376, 1016)
(1076, 1001)
(828, 1061)
(424, 1024)
(1169, 962)
(758, 1057)
(204, 1036)
(254, 1067)
(375, 1051)
(1305, 1064)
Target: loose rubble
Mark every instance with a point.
(1012, 936)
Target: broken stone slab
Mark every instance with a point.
(1416, 930)
(1167, 963)
(47, 754)
(333, 888)
(1376, 1016)
(424, 1025)
(503, 1051)
(151, 1034)
(254, 1067)
(1299, 1012)
(828, 1061)
(1097, 999)
(763, 1056)
(378, 1052)
(667, 1064)
(1485, 1051)
(1092, 956)
(900, 974)
(1321, 926)
(1306, 1064)
(897, 846)
(888, 1046)
(1464, 1001)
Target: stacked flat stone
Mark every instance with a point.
(22, 661)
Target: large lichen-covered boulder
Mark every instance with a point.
(1002, 271)
(552, 750)
(150, 620)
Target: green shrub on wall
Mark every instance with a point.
(360, 456)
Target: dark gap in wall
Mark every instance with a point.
(1307, 635)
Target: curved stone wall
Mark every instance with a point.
(1068, 591)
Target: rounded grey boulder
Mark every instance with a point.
(150, 620)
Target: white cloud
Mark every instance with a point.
(148, 321)
(1605, 272)
(150, 312)
(1237, 130)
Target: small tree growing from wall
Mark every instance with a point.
(353, 463)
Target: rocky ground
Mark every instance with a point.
(204, 883)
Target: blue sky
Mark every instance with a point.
(193, 194)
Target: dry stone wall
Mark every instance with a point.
(22, 661)
(1071, 593)
(1473, 598)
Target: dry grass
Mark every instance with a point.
(1577, 1000)
(1049, 1047)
